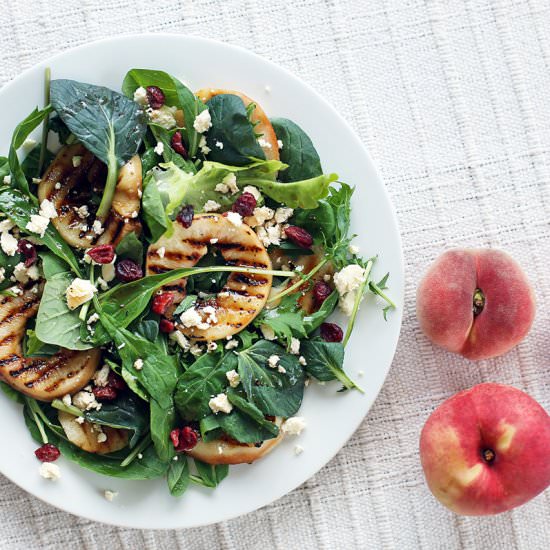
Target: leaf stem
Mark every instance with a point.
(377, 290)
(32, 408)
(358, 298)
(141, 446)
(110, 184)
(71, 409)
(299, 283)
(45, 124)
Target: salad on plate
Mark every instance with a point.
(169, 262)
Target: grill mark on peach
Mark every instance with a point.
(244, 279)
(9, 360)
(240, 247)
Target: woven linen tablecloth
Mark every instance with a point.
(452, 100)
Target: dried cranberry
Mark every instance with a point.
(28, 250)
(161, 302)
(331, 332)
(184, 439)
(299, 236)
(185, 217)
(321, 291)
(166, 326)
(155, 97)
(115, 381)
(245, 204)
(47, 453)
(104, 393)
(177, 144)
(127, 271)
(102, 254)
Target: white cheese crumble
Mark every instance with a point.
(220, 403)
(97, 227)
(85, 401)
(281, 369)
(180, 339)
(47, 209)
(267, 332)
(140, 96)
(211, 206)
(214, 240)
(230, 180)
(298, 450)
(7, 180)
(37, 224)
(211, 346)
(235, 218)
(353, 249)
(77, 161)
(195, 350)
(110, 495)
(163, 117)
(20, 273)
(2, 274)
(233, 378)
(218, 144)
(264, 144)
(254, 191)
(279, 144)
(82, 211)
(349, 278)
(202, 121)
(210, 311)
(138, 364)
(6, 225)
(101, 437)
(8, 243)
(294, 425)
(57, 186)
(203, 147)
(108, 271)
(79, 292)
(273, 361)
(161, 252)
(67, 400)
(302, 360)
(294, 346)
(49, 470)
(232, 344)
(192, 318)
(159, 148)
(101, 377)
(282, 214)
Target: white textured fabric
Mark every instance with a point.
(452, 100)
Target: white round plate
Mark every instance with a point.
(331, 417)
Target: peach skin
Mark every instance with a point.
(486, 450)
(475, 302)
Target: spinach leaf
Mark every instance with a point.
(314, 320)
(130, 247)
(20, 134)
(297, 151)
(56, 324)
(19, 209)
(126, 412)
(176, 95)
(203, 379)
(31, 163)
(107, 123)
(4, 168)
(56, 125)
(178, 476)
(51, 264)
(130, 379)
(232, 128)
(34, 347)
(286, 319)
(325, 360)
(273, 392)
(164, 136)
(153, 210)
(12, 394)
(208, 474)
(148, 329)
(319, 222)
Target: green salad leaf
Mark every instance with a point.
(178, 476)
(4, 168)
(130, 247)
(208, 474)
(298, 151)
(313, 320)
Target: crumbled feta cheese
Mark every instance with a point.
(47, 209)
(211, 206)
(302, 360)
(80, 419)
(294, 425)
(261, 215)
(20, 273)
(273, 235)
(28, 145)
(191, 318)
(37, 224)
(298, 450)
(101, 437)
(233, 378)
(220, 403)
(211, 346)
(221, 188)
(180, 339)
(94, 318)
(283, 214)
(67, 400)
(140, 96)
(196, 350)
(349, 278)
(232, 344)
(8, 243)
(235, 218)
(108, 272)
(7, 180)
(110, 495)
(281, 369)
(97, 227)
(138, 364)
(267, 332)
(161, 251)
(213, 241)
(49, 470)
(79, 292)
(253, 191)
(163, 117)
(85, 401)
(77, 161)
(33, 273)
(57, 186)
(6, 225)
(202, 121)
(294, 346)
(279, 144)
(218, 144)
(101, 377)
(346, 302)
(82, 212)
(273, 361)
(103, 284)
(210, 311)
(230, 180)
(159, 148)
(327, 277)
(203, 147)
(264, 144)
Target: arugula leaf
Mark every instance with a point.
(176, 95)
(298, 151)
(273, 392)
(19, 209)
(314, 320)
(56, 324)
(231, 126)
(164, 136)
(107, 123)
(130, 247)
(325, 360)
(153, 209)
(20, 134)
(178, 476)
(203, 379)
(286, 319)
